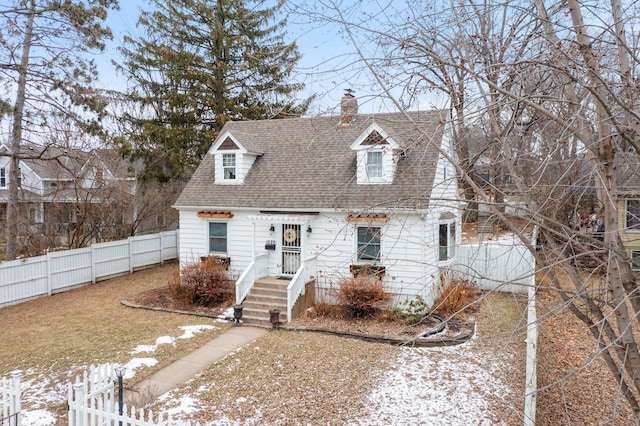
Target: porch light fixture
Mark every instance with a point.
(309, 230)
(272, 228)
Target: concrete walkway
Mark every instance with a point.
(188, 367)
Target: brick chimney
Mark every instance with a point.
(348, 108)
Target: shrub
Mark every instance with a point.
(361, 296)
(413, 312)
(203, 283)
(454, 295)
(387, 315)
(322, 309)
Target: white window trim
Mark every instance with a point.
(208, 239)
(357, 244)
(235, 167)
(637, 268)
(370, 178)
(3, 177)
(626, 209)
(451, 243)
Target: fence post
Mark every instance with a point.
(77, 404)
(161, 235)
(93, 264)
(16, 403)
(130, 241)
(49, 283)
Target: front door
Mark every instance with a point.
(291, 252)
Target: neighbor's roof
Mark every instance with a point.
(628, 173)
(307, 164)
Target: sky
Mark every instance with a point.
(325, 66)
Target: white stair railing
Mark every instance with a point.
(306, 272)
(257, 269)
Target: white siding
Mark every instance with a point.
(388, 167)
(408, 247)
(4, 163)
(30, 181)
(243, 165)
(408, 252)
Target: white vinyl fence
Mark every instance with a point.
(508, 265)
(92, 402)
(503, 265)
(55, 272)
(10, 404)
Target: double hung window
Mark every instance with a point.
(369, 243)
(374, 164)
(446, 241)
(218, 237)
(632, 215)
(229, 166)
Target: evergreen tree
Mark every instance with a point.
(198, 64)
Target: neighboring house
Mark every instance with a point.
(322, 198)
(628, 179)
(61, 189)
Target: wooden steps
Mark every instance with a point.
(267, 294)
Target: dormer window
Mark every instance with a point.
(233, 158)
(374, 164)
(229, 166)
(377, 156)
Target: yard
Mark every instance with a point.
(284, 378)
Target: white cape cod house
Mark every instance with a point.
(307, 201)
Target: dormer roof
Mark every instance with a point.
(628, 174)
(374, 137)
(309, 163)
(236, 141)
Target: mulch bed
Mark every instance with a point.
(458, 327)
(160, 299)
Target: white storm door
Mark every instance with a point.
(291, 248)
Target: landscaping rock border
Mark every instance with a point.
(431, 341)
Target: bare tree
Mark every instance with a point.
(554, 102)
(43, 63)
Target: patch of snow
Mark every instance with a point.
(188, 332)
(166, 340)
(186, 405)
(191, 330)
(37, 393)
(38, 418)
(135, 363)
(444, 385)
(163, 340)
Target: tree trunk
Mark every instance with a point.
(618, 271)
(11, 226)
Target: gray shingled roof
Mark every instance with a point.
(308, 164)
(628, 174)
